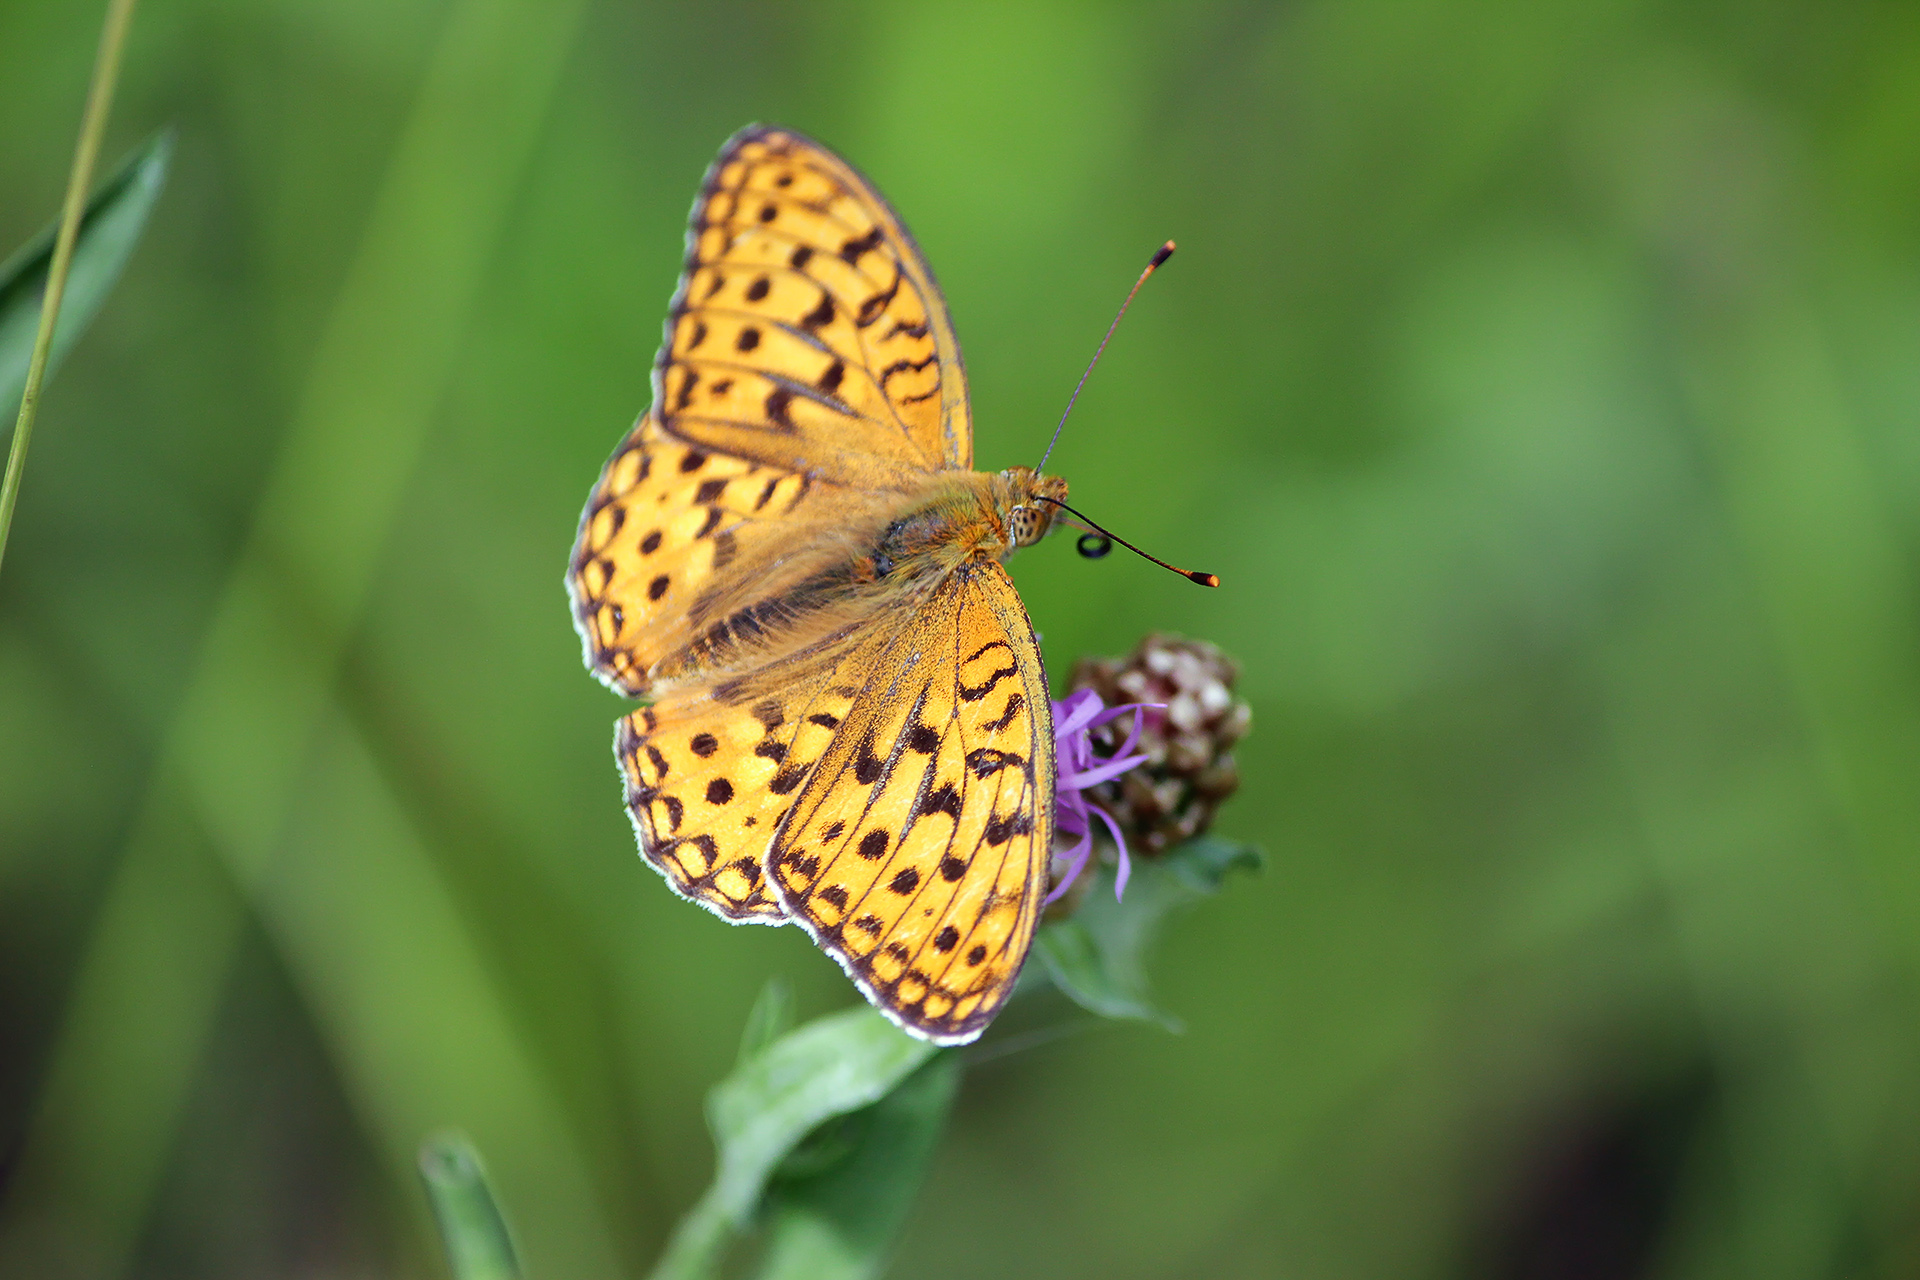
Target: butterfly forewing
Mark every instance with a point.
(808, 331)
(686, 560)
(916, 853)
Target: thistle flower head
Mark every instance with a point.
(1190, 721)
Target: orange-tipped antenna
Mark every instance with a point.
(1160, 255)
(1097, 543)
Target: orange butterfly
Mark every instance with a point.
(792, 557)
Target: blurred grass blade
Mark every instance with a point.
(840, 1222)
(1099, 955)
(111, 226)
(236, 755)
(760, 1114)
(478, 1244)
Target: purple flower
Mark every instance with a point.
(1074, 720)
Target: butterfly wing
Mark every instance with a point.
(687, 562)
(712, 769)
(809, 391)
(808, 332)
(916, 852)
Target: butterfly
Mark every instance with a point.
(792, 559)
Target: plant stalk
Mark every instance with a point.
(93, 124)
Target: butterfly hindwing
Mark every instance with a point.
(808, 331)
(916, 853)
(702, 823)
(711, 770)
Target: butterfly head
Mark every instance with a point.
(1026, 516)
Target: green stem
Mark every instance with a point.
(699, 1242)
(106, 72)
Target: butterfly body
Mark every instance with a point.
(792, 557)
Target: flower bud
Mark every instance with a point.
(1187, 739)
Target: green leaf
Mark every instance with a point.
(761, 1113)
(827, 1068)
(478, 1246)
(838, 1218)
(1098, 956)
(109, 229)
(770, 1018)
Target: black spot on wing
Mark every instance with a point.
(986, 761)
(821, 316)
(779, 408)
(867, 767)
(858, 247)
(1015, 705)
(876, 305)
(944, 798)
(904, 366)
(975, 692)
(1000, 829)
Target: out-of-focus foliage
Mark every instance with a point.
(479, 1246)
(1540, 378)
(115, 216)
(1098, 956)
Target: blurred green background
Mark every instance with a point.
(1542, 379)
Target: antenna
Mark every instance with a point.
(1096, 544)
(1160, 255)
